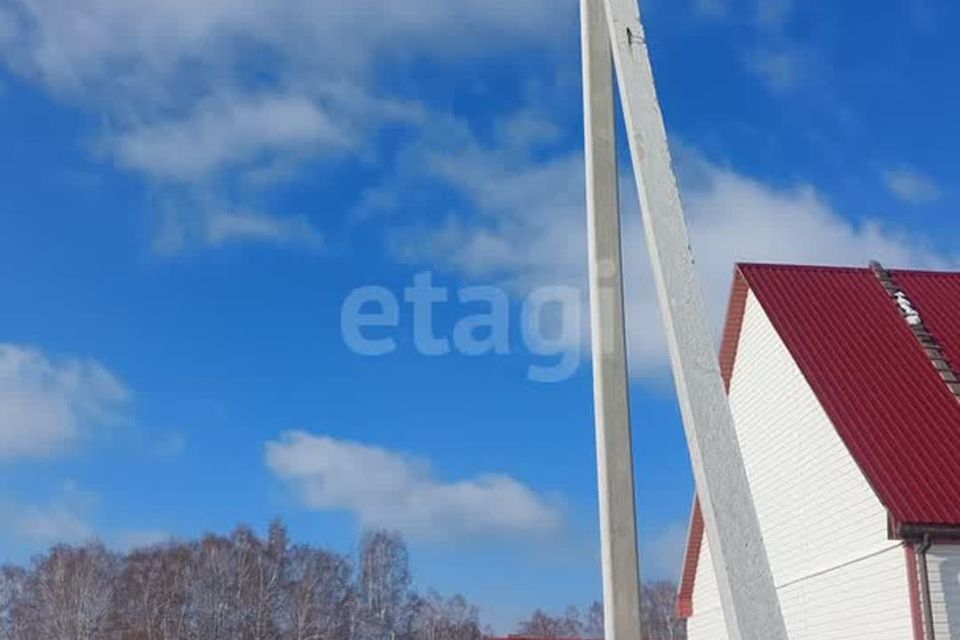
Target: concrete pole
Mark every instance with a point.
(750, 603)
(618, 520)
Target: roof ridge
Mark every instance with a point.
(926, 339)
(794, 266)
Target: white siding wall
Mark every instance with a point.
(943, 562)
(707, 622)
(838, 575)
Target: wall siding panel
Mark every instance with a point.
(838, 575)
(707, 622)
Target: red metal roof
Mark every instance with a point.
(892, 410)
(518, 637)
(888, 404)
(936, 296)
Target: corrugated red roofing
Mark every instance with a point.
(936, 296)
(892, 410)
(888, 404)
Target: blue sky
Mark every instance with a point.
(192, 189)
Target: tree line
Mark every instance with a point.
(658, 610)
(244, 587)
(238, 587)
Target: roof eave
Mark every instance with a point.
(936, 532)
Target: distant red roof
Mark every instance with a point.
(536, 638)
(890, 407)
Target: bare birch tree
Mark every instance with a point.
(12, 583)
(658, 609)
(436, 618)
(384, 587)
(319, 602)
(239, 587)
(68, 595)
(152, 597)
(659, 612)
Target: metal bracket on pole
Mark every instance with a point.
(747, 591)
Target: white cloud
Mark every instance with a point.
(65, 519)
(231, 227)
(712, 8)
(529, 229)
(47, 405)
(132, 539)
(70, 46)
(527, 129)
(202, 221)
(911, 186)
(783, 69)
(384, 488)
(768, 15)
(192, 92)
(770, 51)
(68, 518)
(773, 14)
(55, 523)
(189, 75)
(228, 131)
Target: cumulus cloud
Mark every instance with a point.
(911, 186)
(69, 517)
(527, 229)
(771, 51)
(63, 520)
(712, 8)
(210, 224)
(384, 488)
(69, 46)
(224, 132)
(766, 14)
(182, 74)
(783, 68)
(48, 405)
(191, 93)
(229, 227)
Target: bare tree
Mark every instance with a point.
(319, 601)
(12, 583)
(658, 610)
(270, 571)
(593, 625)
(384, 587)
(257, 571)
(543, 625)
(436, 618)
(239, 587)
(212, 591)
(68, 595)
(660, 621)
(152, 597)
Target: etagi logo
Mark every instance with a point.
(550, 324)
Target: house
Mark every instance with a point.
(843, 390)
